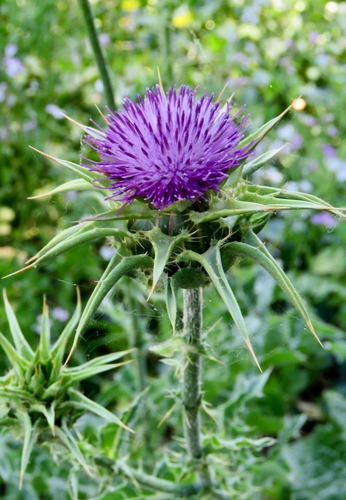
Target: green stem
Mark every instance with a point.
(98, 52)
(154, 483)
(193, 321)
(166, 49)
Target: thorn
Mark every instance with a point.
(45, 308)
(312, 330)
(79, 300)
(74, 121)
(252, 352)
(102, 115)
(222, 92)
(19, 271)
(38, 196)
(160, 80)
(50, 157)
(166, 415)
(152, 290)
(70, 353)
(32, 259)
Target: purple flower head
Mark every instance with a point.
(167, 148)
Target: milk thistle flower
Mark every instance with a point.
(167, 148)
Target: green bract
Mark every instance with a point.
(39, 396)
(188, 244)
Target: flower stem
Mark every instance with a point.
(98, 52)
(193, 321)
(166, 48)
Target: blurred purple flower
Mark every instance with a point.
(107, 252)
(313, 37)
(29, 125)
(296, 141)
(323, 219)
(332, 131)
(104, 39)
(168, 148)
(10, 50)
(55, 111)
(328, 151)
(328, 117)
(60, 314)
(3, 88)
(13, 66)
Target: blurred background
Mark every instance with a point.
(269, 52)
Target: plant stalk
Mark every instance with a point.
(193, 323)
(98, 52)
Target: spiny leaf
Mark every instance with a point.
(163, 245)
(74, 167)
(91, 371)
(69, 441)
(58, 350)
(106, 283)
(98, 134)
(48, 412)
(171, 301)
(61, 236)
(253, 165)
(77, 239)
(211, 261)
(257, 251)
(257, 136)
(99, 361)
(30, 437)
(81, 401)
(22, 346)
(18, 363)
(74, 185)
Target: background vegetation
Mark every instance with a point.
(269, 52)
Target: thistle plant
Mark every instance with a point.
(174, 170)
(40, 400)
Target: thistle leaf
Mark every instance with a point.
(30, 438)
(58, 350)
(211, 261)
(109, 278)
(82, 172)
(99, 361)
(256, 250)
(257, 136)
(18, 363)
(90, 371)
(73, 185)
(22, 346)
(171, 300)
(77, 239)
(49, 414)
(61, 236)
(71, 444)
(81, 401)
(253, 165)
(163, 246)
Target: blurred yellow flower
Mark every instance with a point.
(182, 17)
(129, 5)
